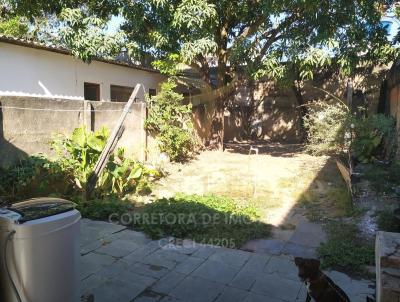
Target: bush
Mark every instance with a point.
(204, 219)
(370, 136)
(332, 129)
(171, 122)
(79, 154)
(326, 125)
(66, 176)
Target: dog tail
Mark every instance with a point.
(369, 299)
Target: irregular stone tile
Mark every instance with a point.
(283, 267)
(130, 235)
(297, 250)
(216, 271)
(252, 297)
(257, 262)
(136, 279)
(231, 294)
(140, 253)
(308, 234)
(231, 257)
(91, 282)
(205, 251)
(196, 290)
(168, 282)
(189, 265)
(92, 263)
(91, 246)
(245, 279)
(167, 259)
(149, 270)
(92, 230)
(118, 248)
(116, 291)
(110, 271)
(274, 286)
(270, 246)
(148, 296)
(185, 246)
(169, 299)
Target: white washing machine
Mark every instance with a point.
(39, 241)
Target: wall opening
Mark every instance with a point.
(92, 91)
(120, 93)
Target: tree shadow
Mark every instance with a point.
(204, 219)
(264, 148)
(9, 153)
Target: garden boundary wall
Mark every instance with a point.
(28, 124)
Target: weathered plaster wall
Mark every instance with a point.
(29, 71)
(26, 132)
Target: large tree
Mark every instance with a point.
(285, 40)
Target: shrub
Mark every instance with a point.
(80, 152)
(370, 134)
(205, 219)
(326, 125)
(332, 129)
(171, 122)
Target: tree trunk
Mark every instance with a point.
(302, 109)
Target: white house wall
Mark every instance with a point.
(36, 72)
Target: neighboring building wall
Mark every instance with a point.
(29, 71)
(26, 132)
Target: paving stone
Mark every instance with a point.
(167, 259)
(205, 251)
(91, 246)
(297, 250)
(276, 287)
(168, 282)
(93, 230)
(216, 271)
(283, 267)
(148, 296)
(231, 257)
(245, 279)
(196, 290)
(308, 234)
(185, 246)
(91, 282)
(136, 279)
(130, 235)
(189, 265)
(116, 291)
(118, 248)
(270, 246)
(112, 270)
(92, 263)
(231, 294)
(257, 262)
(149, 270)
(170, 299)
(141, 252)
(252, 297)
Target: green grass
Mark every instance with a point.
(204, 219)
(100, 209)
(345, 250)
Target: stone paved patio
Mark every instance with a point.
(121, 265)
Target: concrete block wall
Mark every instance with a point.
(29, 131)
